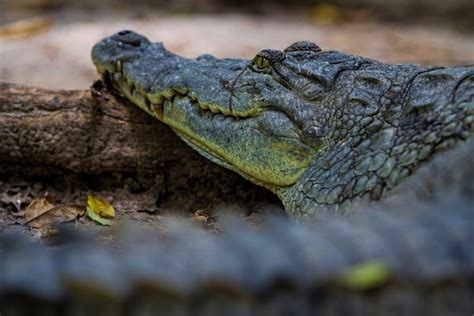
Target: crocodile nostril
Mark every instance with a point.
(128, 37)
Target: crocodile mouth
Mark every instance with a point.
(225, 136)
(153, 102)
(115, 79)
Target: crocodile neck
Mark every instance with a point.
(419, 118)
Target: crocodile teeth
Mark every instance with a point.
(214, 109)
(182, 91)
(156, 100)
(158, 110)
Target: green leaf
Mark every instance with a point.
(367, 275)
(96, 218)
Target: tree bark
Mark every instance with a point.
(94, 133)
(82, 131)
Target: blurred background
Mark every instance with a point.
(47, 42)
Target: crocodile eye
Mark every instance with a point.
(261, 62)
(267, 58)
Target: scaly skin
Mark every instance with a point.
(321, 129)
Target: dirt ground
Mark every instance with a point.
(57, 55)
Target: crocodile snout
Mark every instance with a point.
(122, 46)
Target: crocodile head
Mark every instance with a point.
(256, 117)
(316, 127)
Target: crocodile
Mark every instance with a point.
(242, 272)
(323, 130)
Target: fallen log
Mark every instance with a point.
(98, 135)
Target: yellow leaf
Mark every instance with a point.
(326, 14)
(100, 207)
(367, 275)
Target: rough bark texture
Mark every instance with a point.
(97, 137)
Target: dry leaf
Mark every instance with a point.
(56, 215)
(326, 14)
(203, 217)
(100, 207)
(26, 28)
(36, 208)
(50, 197)
(200, 219)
